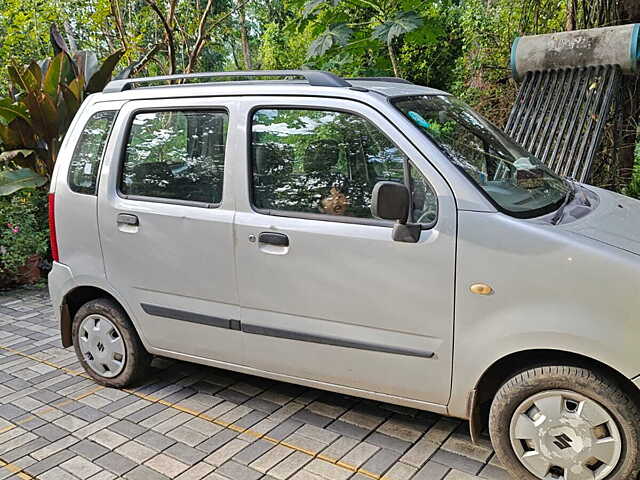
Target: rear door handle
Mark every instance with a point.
(276, 239)
(128, 219)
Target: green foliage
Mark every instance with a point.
(633, 189)
(362, 36)
(335, 36)
(23, 230)
(34, 118)
(280, 49)
(403, 22)
(487, 32)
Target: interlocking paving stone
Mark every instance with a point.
(185, 453)
(494, 473)
(349, 430)
(89, 449)
(253, 451)
(271, 458)
(9, 412)
(80, 467)
(127, 428)
(385, 441)
(48, 463)
(400, 471)
(432, 471)
(381, 461)
(458, 462)
(57, 473)
(135, 451)
(237, 471)
(108, 433)
(154, 440)
(144, 473)
(226, 452)
(215, 442)
(166, 465)
(116, 463)
(17, 453)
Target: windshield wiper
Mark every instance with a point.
(571, 194)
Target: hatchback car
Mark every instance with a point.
(365, 236)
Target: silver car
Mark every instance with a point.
(365, 236)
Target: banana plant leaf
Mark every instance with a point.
(13, 154)
(9, 111)
(55, 74)
(99, 79)
(18, 134)
(13, 180)
(45, 117)
(86, 63)
(57, 41)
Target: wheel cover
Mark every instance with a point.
(101, 345)
(562, 435)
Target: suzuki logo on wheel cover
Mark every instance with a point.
(562, 441)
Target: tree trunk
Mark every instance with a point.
(246, 52)
(571, 15)
(394, 60)
(629, 12)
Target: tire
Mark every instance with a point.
(103, 319)
(576, 393)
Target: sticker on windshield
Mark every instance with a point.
(416, 117)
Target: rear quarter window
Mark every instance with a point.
(87, 156)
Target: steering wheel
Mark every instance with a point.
(424, 216)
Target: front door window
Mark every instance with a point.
(327, 162)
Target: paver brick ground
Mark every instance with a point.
(192, 422)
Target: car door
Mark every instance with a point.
(166, 225)
(326, 294)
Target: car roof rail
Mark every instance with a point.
(317, 78)
(381, 79)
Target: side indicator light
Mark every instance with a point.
(481, 289)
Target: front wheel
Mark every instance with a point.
(107, 344)
(565, 423)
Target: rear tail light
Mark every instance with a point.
(52, 229)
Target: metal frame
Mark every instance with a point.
(317, 78)
(559, 116)
(314, 77)
(322, 216)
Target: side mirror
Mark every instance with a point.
(391, 201)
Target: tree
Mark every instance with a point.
(598, 13)
(356, 26)
(44, 97)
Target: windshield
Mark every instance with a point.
(516, 181)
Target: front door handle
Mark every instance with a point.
(128, 219)
(276, 239)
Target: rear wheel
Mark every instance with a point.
(565, 423)
(107, 344)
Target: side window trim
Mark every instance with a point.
(407, 164)
(122, 155)
(102, 151)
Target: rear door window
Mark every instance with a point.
(176, 155)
